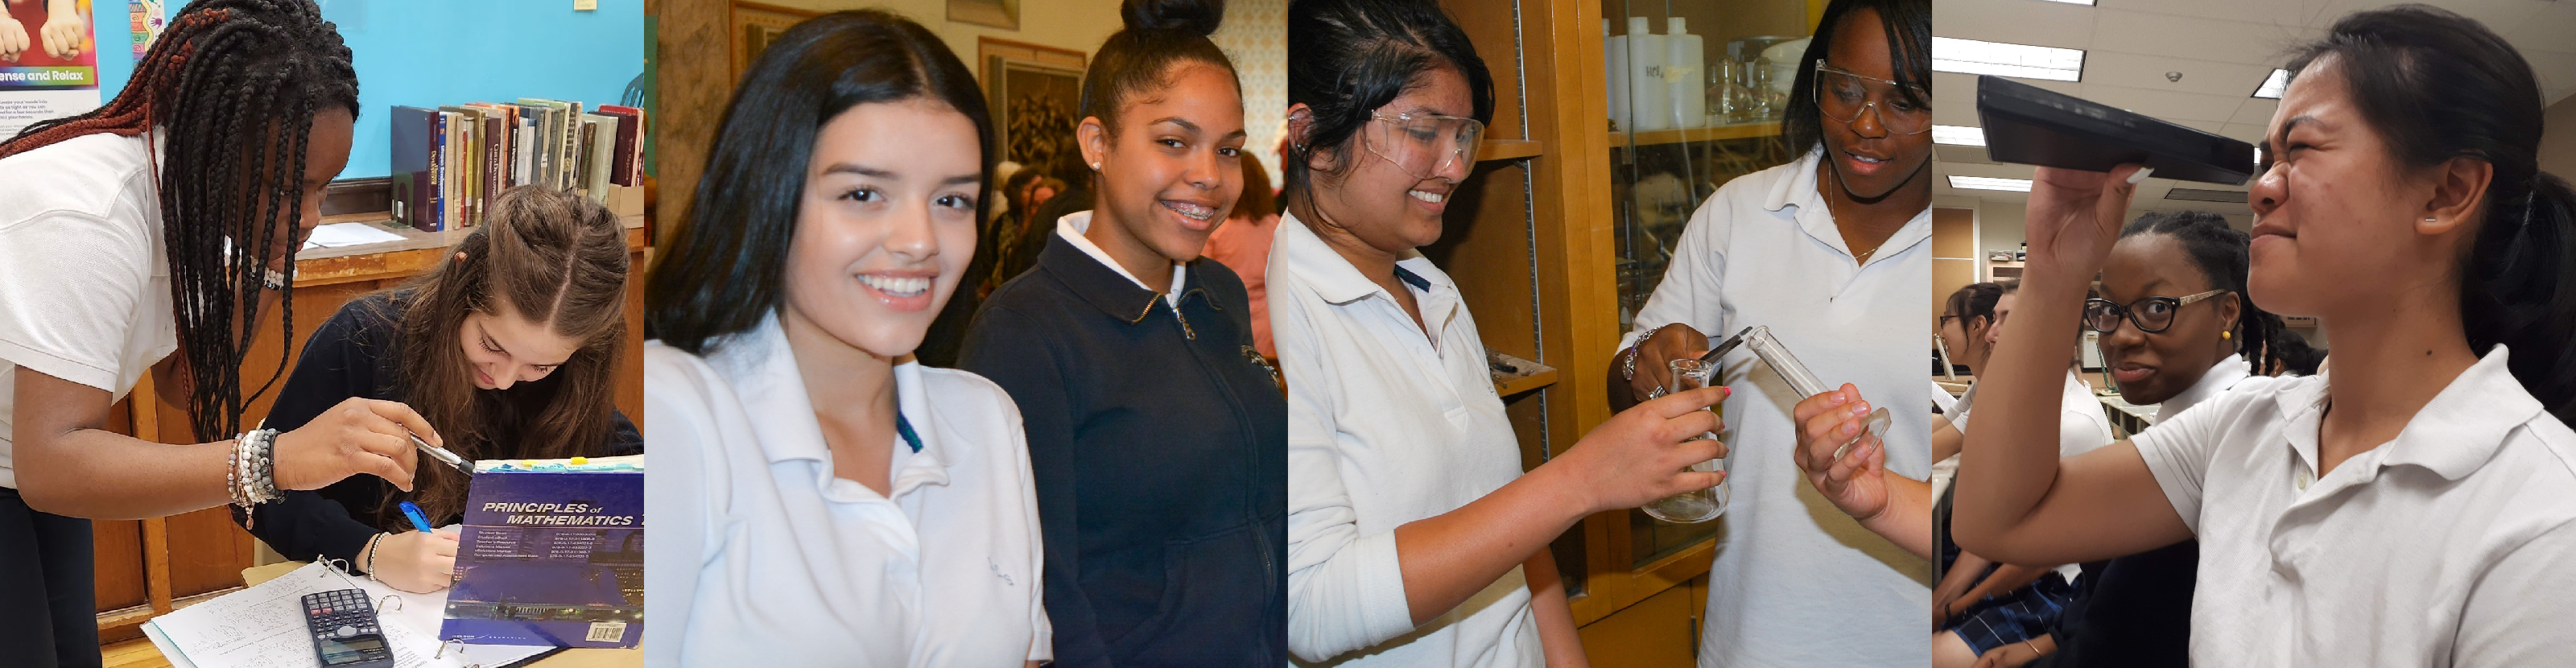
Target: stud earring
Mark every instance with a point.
(2226, 335)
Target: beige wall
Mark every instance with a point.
(2558, 139)
(1081, 25)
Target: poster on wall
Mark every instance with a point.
(146, 21)
(48, 61)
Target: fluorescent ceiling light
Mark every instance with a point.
(2273, 85)
(2087, 3)
(1985, 183)
(1968, 56)
(1958, 135)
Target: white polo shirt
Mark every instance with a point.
(1796, 582)
(2449, 546)
(84, 286)
(2221, 376)
(760, 557)
(1386, 425)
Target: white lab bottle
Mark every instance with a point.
(1615, 47)
(1649, 99)
(1686, 92)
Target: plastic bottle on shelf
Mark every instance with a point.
(1649, 99)
(1686, 92)
(1615, 50)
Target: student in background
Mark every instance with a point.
(2164, 351)
(2415, 506)
(512, 344)
(1414, 539)
(820, 499)
(1243, 244)
(1158, 438)
(150, 235)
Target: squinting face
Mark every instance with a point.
(1176, 164)
(2334, 220)
(2151, 368)
(1378, 202)
(507, 349)
(886, 223)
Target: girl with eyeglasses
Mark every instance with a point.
(1829, 252)
(2417, 505)
(1414, 538)
(1157, 434)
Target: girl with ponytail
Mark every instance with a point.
(512, 344)
(2417, 504)
(1155, 429)
(152, 234)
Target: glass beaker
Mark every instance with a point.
(1698, 505)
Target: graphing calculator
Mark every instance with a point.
(344, 630)
(2030, 125)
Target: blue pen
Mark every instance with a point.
(417, 519)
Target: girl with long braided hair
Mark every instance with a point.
(165, 222)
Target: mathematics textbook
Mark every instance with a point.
(552, 554)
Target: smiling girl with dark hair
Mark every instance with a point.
(1156, 432)
(822, 499)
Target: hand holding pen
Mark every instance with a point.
(358, 436)
(414, 561)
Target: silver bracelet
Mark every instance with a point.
(1629, 372)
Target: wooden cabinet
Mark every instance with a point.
(1544, 249)
(150, 567)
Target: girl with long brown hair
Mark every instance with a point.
(510, 347)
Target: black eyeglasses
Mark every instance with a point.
(2151, 315)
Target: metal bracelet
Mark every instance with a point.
(1629, 372)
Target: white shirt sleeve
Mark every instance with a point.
(2518, 614)
(682, 503)
(2178, 452)
(1042, 643)
(71, 286)
(1694, 283)
(1345, 589)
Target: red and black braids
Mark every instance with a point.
(231, 89)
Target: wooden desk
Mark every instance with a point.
(150, 567)
(570, 658)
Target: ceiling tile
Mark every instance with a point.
(2246, 131)
(2267, 12)
(2243, 41)
(2016, 21)
(2135, 70)
(2255, 111)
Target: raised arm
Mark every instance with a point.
(2018, 502)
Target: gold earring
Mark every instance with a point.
(2226, 335)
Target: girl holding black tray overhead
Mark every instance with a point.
(1156, 431)
(511, 345)
(821, 498)
(2417, 504)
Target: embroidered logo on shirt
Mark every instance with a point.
(997, 572)
(1254, 355)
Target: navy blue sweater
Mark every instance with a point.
(355, 354)
(1159, 440)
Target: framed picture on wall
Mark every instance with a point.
(1035, 93)
(1004, 14)
(754, 25)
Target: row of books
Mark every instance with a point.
(449, 162)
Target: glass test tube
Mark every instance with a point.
(1804, 382)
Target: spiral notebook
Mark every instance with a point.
(263, 627)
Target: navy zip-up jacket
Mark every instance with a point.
(1159, 440)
